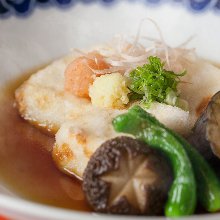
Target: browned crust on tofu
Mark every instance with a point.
(22, 109)
(63, 154)
(19, 98)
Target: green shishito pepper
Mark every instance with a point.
(182, 195)
(208, 183)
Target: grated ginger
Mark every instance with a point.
(109, 91)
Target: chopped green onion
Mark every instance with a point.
(151, 82)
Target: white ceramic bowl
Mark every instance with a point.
(32, 34)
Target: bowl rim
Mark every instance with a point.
(15, 207)
(18, 208)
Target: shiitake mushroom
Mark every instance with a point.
(206, 132)
(125, 176)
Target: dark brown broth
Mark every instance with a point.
(26, 165)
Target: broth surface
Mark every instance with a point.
(26, 164)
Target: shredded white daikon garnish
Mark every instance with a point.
(125, 53)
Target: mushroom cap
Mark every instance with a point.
(125, 176)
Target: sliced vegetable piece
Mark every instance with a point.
(205, 136)
(125, 176)
(182, 195)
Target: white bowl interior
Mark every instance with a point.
(29, 42)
